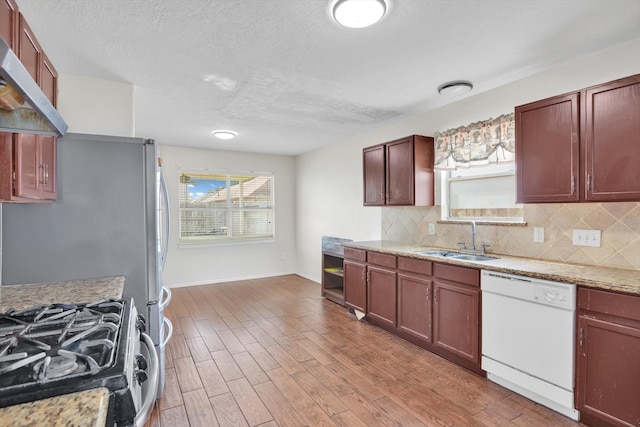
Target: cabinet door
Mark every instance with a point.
(547, 150)
(611, 132)
(27, 166)
(49, 80)
(6, 166)
(9, 22)
(455, 319)
(381, 296)
(608, 381)
(47, 147)
(414, 306)
(355, 285)
(374, 175)
(29, 51)
(400, 172)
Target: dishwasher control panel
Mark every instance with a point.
(552, 295)
(540, 291)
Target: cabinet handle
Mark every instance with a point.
(435, 295)
(588, 182)
(46, 173)
(573, 184)
(581, 337)
(42, 174)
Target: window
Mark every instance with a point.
(483, 193)
(223, 207)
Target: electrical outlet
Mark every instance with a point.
(586, 237)
(538, 234)
(432, 228)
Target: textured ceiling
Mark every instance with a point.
(289, 79)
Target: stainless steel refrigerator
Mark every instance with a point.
(111, 218)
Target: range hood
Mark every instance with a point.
(24, 108)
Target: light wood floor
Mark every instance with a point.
(272, 352)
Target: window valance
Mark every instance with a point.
(478, 144)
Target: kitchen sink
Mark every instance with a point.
(457, 255)
(472, 257)
(436, 253)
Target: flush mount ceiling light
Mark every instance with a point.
(359, 13)
(224, 134)
(457, 87)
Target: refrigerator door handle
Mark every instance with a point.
(164, 302)
(169, 326)
(167, 223)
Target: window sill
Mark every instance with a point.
(508, 223)
(199, 245)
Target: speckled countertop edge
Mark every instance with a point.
(83, 409)
(609, 278)
(72, 292)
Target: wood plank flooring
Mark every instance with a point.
(273, 352)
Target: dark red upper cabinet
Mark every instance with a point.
(374, 175)
(399, 173)
(9, 22)
(547, 150)
(612, 140)
(580, 147)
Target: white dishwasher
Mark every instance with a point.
(528, 337)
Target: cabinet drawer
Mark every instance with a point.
(469, 276)
(413, 265)
(384, 260)
(626, 306)
(355, 254)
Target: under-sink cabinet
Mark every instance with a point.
(608, 358)
(414, 300)
(431, 304)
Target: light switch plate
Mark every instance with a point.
(586, 237)
(432, 228)
(538, 234)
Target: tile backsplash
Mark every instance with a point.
(618, 222)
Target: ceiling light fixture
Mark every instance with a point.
(359, 13)
(224, 134)
(455, 88)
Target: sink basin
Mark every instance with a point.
(436, 253)
(472, 257)
(457, 255)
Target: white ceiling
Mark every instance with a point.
(289, 79)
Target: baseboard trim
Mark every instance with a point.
(232, 279)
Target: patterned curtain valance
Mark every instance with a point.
(478, 144)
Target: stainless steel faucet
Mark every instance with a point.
(473, 235)
(473, 249)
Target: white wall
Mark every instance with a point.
(329, 193)
(200, 265)
(97, 107)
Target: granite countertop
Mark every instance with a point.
(83, 409)
(609, 278)
(72, 292)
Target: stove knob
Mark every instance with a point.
(141, 324)
(141, 362)
(141, 376)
